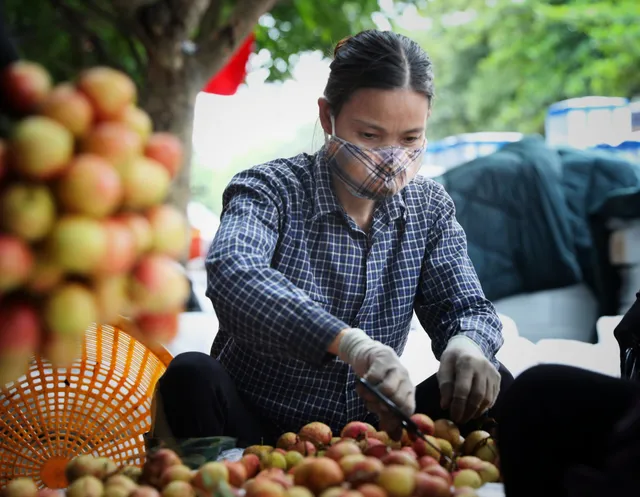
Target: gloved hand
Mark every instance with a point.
(469, 383)
(381, 366)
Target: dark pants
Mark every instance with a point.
(199, 399)
(428, 400)
(554, 417)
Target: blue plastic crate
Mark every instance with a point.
(588, 121)
(455, 150)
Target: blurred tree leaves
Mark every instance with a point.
(306, 25)
(507, 60)
(171, 48)
(499, 63)
(66, 35)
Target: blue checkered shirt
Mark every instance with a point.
(288, 270)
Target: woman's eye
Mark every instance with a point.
(368, 136)
(411, 139)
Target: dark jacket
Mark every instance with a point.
(621, 472)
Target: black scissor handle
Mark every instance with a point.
(407, 422)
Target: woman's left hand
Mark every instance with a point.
(469, 383)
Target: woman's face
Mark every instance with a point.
(374, 118)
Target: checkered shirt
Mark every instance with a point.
(288, 270)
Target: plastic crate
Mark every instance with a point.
(101, 405)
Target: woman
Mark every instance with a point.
(321, 259)
(568, 432)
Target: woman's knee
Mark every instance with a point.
(554, 377)
(537, 384)
(506, 378)
(191, 368)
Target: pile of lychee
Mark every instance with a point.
(85, 233)
(361, 462)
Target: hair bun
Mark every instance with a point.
(340, 44)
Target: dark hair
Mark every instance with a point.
(377, 59)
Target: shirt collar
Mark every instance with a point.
(326, 202)
(395, 207)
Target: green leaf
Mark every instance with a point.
(501, 70)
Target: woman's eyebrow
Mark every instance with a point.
(415, 130)
(369, 124)
(372, 125)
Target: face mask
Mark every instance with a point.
(370, 173)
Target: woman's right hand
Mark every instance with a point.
(380, 365)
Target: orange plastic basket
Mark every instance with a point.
(101, 405)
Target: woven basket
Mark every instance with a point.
(101, 405)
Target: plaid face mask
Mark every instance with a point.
(371, 173)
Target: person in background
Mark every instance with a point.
(319, 263)
(569, 432)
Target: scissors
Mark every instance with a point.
(407, 423)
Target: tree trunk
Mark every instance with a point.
(170, 99)
(176, 72)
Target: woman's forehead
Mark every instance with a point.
(387, 110)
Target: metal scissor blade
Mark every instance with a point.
(405, 420)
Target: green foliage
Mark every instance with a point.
(67, 35)
(499, 63)
(512, 59)
(303, 25)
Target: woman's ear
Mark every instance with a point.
(324, 111)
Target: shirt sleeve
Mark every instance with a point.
(450, 300)
(255, 303)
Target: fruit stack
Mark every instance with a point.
(362, 462)
(84, 234)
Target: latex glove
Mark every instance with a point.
(469, 383)
(381, 366)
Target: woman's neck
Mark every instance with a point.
(359, 209)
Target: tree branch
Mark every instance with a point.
(100, 11)
(128, 8)
(188, 13)
(121, 17)
(135, 54)
(76, 25)
(169, 24)
(120, 24)
(215, 49)
(126, 12)
(210, 20)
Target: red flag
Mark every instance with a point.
(230, 77)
